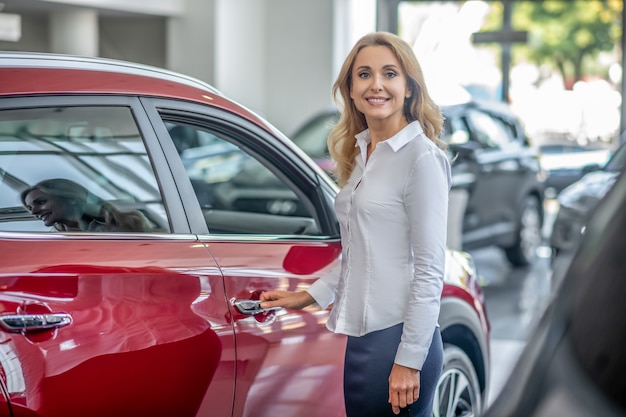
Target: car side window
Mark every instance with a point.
(488, 130)
(76, 169)
(455, 131)
(237, 191)
(514, 131)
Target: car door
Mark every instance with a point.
(103, 316)
(491, 160)
(269, 224)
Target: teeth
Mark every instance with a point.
(376, 100)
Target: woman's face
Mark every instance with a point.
(379, 86)
(50, 209)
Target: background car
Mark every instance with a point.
(577, 204)
(162, 322)
(565, 161)
(574, 364)
(497, 179)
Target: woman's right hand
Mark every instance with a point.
(286, 299)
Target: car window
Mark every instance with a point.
(490, 131)
(455, 131)
(514, 132)
(76, 169)
(239, 192)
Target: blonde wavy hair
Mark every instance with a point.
(419, 106)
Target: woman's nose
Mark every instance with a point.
(376, 83)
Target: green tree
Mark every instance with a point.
(567, 34)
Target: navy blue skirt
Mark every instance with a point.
(368, 363)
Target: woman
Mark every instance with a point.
(392, 211)
(68, 206)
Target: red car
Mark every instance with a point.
(141, 214)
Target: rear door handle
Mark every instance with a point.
(28, 322)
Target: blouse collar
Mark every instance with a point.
(396, 142)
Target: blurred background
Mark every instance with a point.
(270, 54)
(267, 54)
(556, 64)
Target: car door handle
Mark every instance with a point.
(252, 307)
(28, 322)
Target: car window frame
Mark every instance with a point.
(173, 206)
(244, 134)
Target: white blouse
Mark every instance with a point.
(392, 214)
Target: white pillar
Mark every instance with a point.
(240, 52)
(299, 55)
(277, 57)
(190, 40)
(74, 32)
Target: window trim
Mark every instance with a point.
(171, 201)
(244, 132)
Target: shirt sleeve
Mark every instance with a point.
(325, 288)
(426, 202)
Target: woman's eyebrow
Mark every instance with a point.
(367, 67)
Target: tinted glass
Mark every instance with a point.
(455, 131)
(488, 130)
(76, 169)
(238, 191)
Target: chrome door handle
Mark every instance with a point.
(26, 322)
(252, 307)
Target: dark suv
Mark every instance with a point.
(497, 179)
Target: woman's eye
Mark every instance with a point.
(363, 75)
(390, 74)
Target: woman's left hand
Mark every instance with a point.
(404, 387)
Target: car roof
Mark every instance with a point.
(27, 74)
(33, 73)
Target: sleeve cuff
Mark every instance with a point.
(411, 356)
(322, 293)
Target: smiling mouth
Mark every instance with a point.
(376, 100)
